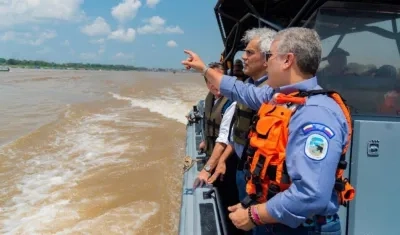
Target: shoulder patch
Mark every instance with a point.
(318, 127)
(316, 147)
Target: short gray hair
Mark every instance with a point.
(305, 44)
(265, 36)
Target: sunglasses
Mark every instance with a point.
(268, 55)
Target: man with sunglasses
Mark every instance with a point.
(293, 60)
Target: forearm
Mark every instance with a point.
(227, 152)
(214, 77)
(216, 154)
(265, 216)
(292, 209)
(244, 93)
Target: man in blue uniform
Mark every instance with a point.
(293, 61)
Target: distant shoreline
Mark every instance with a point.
(13, 68)
(38, 64)
(94, 69)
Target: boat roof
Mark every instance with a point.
(276, 14)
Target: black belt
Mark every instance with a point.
(320, 219)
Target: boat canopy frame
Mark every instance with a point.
(234, 17)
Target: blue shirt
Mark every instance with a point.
(239, 147)
(320, 120)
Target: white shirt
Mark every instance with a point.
(225, 123)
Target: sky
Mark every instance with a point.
(150, 33)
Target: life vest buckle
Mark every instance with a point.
(345, 191)
(255, 179)
(247, 175)
(339, 185)
(248, 201)
(250, 151)
(304, 93)
(254, 121)
(342, 165)
(273, 189)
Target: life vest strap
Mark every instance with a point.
(245, 114)
(250, 151)
(259, 165)
(244, 157)
(213, 124)
(240, 134)
(273, 189)
(271, 172)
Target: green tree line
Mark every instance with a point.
(52, 65)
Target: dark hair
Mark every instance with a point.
(216, 65)
(238, 62)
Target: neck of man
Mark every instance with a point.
(297, 76)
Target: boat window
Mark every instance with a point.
(361, 59)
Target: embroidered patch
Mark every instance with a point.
(316, 147)
(318, 127)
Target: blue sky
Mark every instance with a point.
(151, 33)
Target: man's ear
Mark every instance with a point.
(288, 60)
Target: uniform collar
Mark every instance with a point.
(306, 85)
(259, 81)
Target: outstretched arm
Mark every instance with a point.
(230, 87)
(245, 93)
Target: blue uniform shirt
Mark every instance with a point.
(238, 147)
(320, 122)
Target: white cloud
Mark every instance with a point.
(88, 56)
(93, 55)
(156, 25)
(35, 39)
(126, 10)
(97, 41)
(14, 12)
(172, 43)
(98, 27)
(65, 43)
(121, 55)
(123, 35)
(152, 3)
(45, 50)
(101, 49)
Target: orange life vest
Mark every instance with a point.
(265, 168)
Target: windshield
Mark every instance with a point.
(361, 59)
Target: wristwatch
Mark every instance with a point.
(205, 69)
(207, 168)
